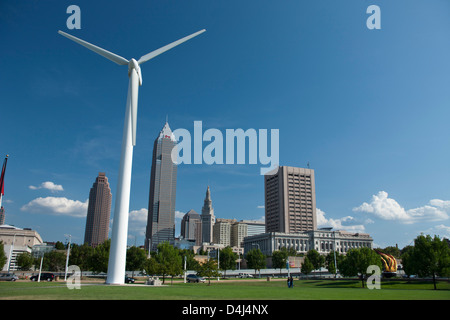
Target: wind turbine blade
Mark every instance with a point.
(108, 55)
(157, 52)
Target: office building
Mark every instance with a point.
(254, 227)
(15, 242)
(290, 200)
(222, 231)
(163, 185)
(191, 227)
(239, 230)
(99, 211)
(208, 218)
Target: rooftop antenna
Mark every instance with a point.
(118, 250)
(307, 165)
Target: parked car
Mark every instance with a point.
(245, 275)
(8, 277)
(44, 276)
(129, 280)
(194, 278)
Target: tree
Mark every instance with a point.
(81, 256)
(393, 251)
(208, 269)
(307, 266)
(60, 246)
(136, 258)
(152, 267)
(169, 260)
(54, 260)
(357, 261)
(429, 257)
(256, 259)
(279, 259)
(408, 260)
(316, 259)
(191, 263)
(227, 259)
(100, 256)
(25, 261)
(330, 263)
(3, 258)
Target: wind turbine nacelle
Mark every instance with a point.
(133, 64)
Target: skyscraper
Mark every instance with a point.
(208, 218)
(290, 200)
(191, 227)
(163, 186)
(99, 211)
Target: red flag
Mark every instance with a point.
(2, 178)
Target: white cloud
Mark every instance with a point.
(347, 223)
(443, 231)
(58, 206)
(440, 203)
(440, 230)
(49, 186)
(137, 222)
(387, 208)
(260, 207)
(179, 214)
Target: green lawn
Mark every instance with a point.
(228, 290)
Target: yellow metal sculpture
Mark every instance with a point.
(389, 263)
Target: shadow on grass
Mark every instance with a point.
(336, 283)
(443, 285)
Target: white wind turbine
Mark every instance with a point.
(117, 253)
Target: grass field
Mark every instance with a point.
(228, 290)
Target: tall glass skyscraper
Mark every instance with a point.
(163, 186)
(99, 211)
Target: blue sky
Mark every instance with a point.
(368, 109)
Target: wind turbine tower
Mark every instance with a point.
(117, 253)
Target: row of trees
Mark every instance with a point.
(168, 261)
(429, 257)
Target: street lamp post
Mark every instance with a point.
(184, 269)
(68, 254)
(218, 263)
(334, 251)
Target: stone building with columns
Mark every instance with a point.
(322, 240)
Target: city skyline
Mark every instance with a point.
(367, 109)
